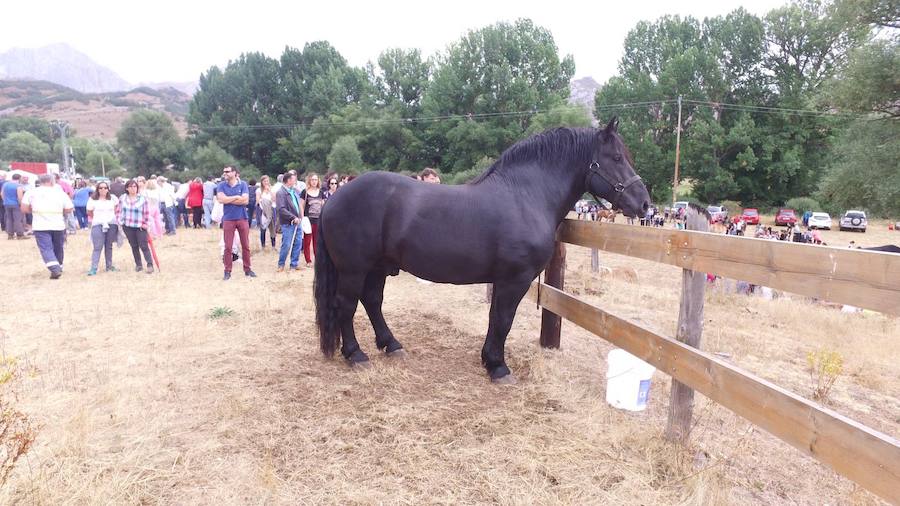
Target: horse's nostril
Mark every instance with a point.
(645, 206)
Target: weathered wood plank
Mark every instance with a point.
(860, 453)
(689, 331)
(555, 276)
(868, 279)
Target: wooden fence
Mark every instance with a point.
(861, 278)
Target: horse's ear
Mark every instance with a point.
(612, 126)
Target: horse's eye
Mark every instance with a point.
(617, 158)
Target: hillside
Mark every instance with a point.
(97, 115)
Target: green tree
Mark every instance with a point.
(864, 171)
(738, 74)
(344, 155)
(149, 141)
(871, 81)
(238, 107)
(401, 77)
(506, 68)
(93, 156)
(39, 127)
(209, 160)
(24, 147)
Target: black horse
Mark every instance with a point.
(498, 229)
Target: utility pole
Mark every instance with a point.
(60, 127)
(677, 154)
(102, 165)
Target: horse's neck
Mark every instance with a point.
(550, 190)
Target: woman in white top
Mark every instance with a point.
(101, 211)
(265, 199)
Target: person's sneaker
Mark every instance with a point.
(92, 272)
(149, 269)
(138, 268)
(280, 268)
(55, 274)
(227, 276)
(250, 274)
(111, 268)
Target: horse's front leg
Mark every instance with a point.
(504, 302)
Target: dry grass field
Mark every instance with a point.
(142, 397)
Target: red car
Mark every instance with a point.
(785, 217)
(750, 216)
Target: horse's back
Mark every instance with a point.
(453, 234)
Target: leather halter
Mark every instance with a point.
(618, 188)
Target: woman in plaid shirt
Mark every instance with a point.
(134, 217)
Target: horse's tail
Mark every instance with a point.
(325, 288)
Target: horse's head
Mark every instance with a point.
(610, 174)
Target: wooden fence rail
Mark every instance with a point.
(861, 278)
(864, 455)
(868, 279)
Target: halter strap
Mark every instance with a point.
(619, 187)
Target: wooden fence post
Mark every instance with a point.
(595, 260)
(555, 276)
(690, 328)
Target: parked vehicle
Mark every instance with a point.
(717, 214)
(750, 216)
(854, 220)
(819, 220)
(785, 217)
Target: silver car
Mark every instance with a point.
(854, 220)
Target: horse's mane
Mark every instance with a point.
(558, 145)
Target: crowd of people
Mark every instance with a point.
(142, 210)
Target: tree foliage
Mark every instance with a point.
(404, 111)
(38, 127)
(149, 141)
(742, 78)
(24, 147)
(344, 155)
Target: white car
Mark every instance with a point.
(819, 220)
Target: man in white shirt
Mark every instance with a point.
(180, 200)
(49, 208)
(167, 203)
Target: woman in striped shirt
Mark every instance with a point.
(134, 216)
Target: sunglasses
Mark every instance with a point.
(332, 183)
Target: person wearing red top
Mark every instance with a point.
(195, 201)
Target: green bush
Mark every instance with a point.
(733, 207)
(803, 204)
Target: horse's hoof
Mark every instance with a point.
(365, 364)
(401, 353)
(509, 379)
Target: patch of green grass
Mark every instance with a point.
(220, 312)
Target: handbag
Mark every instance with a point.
(306, 225)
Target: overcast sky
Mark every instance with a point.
(165, 40)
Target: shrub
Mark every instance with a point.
(220, 312)
(825, 366)
(733, 207)
(803, 204)
(17, 433)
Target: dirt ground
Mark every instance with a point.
(143, 398)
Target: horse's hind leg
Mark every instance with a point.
(372, 298)
(349, 289)
(504, 302)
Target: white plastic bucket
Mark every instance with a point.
(627, 381)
